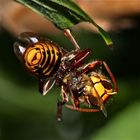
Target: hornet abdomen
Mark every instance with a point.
(42, 57)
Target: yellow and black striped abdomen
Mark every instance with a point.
(42, 58)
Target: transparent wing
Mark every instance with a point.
(45, 86)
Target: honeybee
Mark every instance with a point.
(83, 84)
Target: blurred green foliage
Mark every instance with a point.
(25, 114)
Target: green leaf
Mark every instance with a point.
(64, 14)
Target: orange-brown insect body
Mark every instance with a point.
(84, 84)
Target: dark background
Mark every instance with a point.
(25, 114)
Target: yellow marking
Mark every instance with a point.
(95, 79)
(36, 61)
(32, 57)
(55, 53)
(105, 97)
(51, 59)
(41, 47)
(44, 46)
(55, 49)
(99, 88)
(56, 58)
